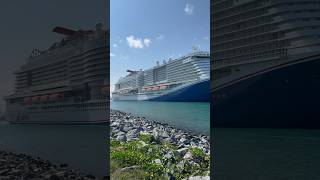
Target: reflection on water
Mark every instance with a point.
(266, 154)
(83, 147)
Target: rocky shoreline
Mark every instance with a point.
(21, 166)
(126, 127)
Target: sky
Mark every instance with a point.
(145, 31)
(28, 24)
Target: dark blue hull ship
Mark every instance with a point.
(185, 79)
(283, 96)
(199, 92)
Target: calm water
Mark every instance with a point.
(192, 116)
(263, 154)
(82, 147)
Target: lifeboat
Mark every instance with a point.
(162, 87)
(60, 96)
(35, 99)
(53, 97)
(44, 98)
(155, 88)
(27, 100)
(105, 89)
(56, 97)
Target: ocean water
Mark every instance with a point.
(82, 147)
(192, 116)
(264, 154)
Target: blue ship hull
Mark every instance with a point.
(284, 97)
(199, 92)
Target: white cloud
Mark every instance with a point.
(136, 42)
(188, 9)
(112, 55)
(115, 45)
(160, 37)
(147, 42)
(206, 38)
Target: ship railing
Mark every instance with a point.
(204, 53)
(56, 101)
(244, 60)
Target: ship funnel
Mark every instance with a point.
(195, 48)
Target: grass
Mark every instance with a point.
(117, 174)
(144, 151)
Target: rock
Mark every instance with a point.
(188, 155)
(203, 145)
(54, 177)
(121, 138)
(167, 140)
(204, 140)
(126, 128)
(129, 168)
(173, 139)
(63, 165)
(205, 150)
(182, 151)
(157, 161)
(132, 134)
(181, 165)
(170, 176)
(156, 136)
(183, 140)
(90, 176)
(177, 136)
(193, 144)
(120, 133)
(139, 129)
(114, 124)
(165, 134)
(169, 155)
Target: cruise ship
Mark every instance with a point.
(184, 79)
(265, 67)
(65, 84)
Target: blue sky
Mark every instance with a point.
(146, 31)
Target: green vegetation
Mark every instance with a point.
(153, 159)
(117, 174)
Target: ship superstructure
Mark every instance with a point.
(183, 79)
(265, 62)
(67, 83)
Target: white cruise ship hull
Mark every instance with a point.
(190, 92)
(85, 113)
